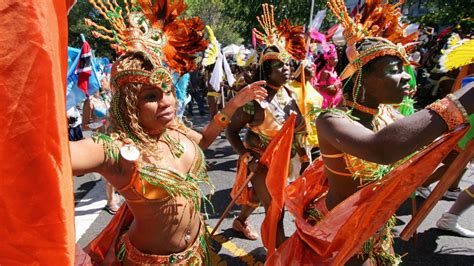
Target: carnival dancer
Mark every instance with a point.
(343, 204)
(326, 79)
(154, 161)
(265, 119)
(308, 98)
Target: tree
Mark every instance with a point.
(458, 13)
(82, 10)
(214, 14)
(297, 11)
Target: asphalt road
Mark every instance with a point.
(433, 246)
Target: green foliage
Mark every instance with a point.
(233, 20)
(454, 12)
(77, 26)
(214, 13)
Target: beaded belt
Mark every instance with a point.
(193, 255)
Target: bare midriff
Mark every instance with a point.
(161, 229)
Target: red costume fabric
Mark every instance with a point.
(37, 200)
(344, 229)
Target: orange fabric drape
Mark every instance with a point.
(103, 249)
(343, 230)
(36, 191)
(462, 74)
(240, 179)
(277, 159)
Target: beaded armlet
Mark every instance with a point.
(111, 149)
(451, 111)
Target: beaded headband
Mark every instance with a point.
(283, 57)
(382, 48)
(286, 38)
(160, 77)
(379, 21)
(150, 28)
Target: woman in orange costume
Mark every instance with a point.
(153, 160)
(348, 197)
(265, 119)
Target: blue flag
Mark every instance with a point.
(73, 94)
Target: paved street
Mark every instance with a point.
(433, 246)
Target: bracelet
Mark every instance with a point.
(448, 111)
(469, 193)
(221, 119)
(247, 157)
(459, 106)
(304, 158)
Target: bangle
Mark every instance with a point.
(304, 158)
(448, 111)
(246, 157)
(221, 119)
(459, 106)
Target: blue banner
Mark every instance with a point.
(73, 94)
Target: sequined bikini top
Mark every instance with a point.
(275, 116)
(151, 183)
(366, 172)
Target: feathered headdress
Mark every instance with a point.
(377, 20)
(240, 58)
(212, 51)
(460, 52)
(287, 38)
(152, 28)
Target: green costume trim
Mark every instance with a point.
(175, 184)
(407, 106)
(377, 248)
(249, 108)
(176, 148)
(112, 151)
(469, 135)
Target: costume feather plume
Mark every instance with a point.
(212, 51)
(459, 53)
(180, 38)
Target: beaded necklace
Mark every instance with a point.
(176, 148)
(362, 108)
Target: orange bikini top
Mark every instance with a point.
(361, 169)
(274, 117)
(357, 168)
(157, 184)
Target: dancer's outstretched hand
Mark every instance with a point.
(253, 91)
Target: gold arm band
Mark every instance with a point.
(468, 192)
(337, 172)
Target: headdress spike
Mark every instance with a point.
(379, 19)
(288, 39)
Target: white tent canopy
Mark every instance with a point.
(231, 49)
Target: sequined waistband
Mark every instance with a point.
(193, 255)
